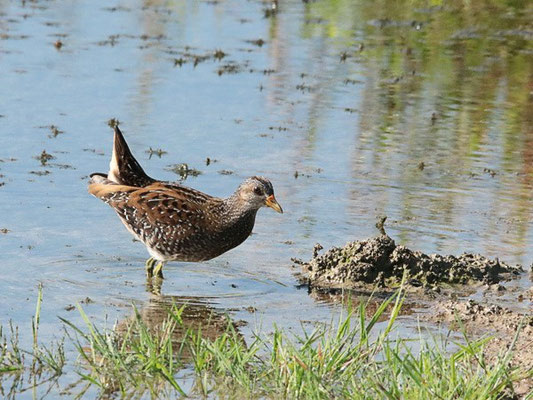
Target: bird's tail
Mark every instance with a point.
(103, 188)
(124, 168)
(98, 181)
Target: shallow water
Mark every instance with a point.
(418, 111)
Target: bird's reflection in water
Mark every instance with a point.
(182, 317)
(154, 285)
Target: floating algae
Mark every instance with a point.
(380, 261)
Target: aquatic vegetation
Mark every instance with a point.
(43, 364)
(355, 357)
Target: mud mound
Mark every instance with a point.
(380, 261)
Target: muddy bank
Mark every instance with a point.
(501, 323)
(379, 261)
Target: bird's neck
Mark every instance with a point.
(235, 209)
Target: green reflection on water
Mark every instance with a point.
(447, 83)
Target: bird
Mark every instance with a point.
(175, 222)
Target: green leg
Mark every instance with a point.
(150, 267)
(158, 270)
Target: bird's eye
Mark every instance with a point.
(258, 191)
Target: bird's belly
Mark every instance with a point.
(196, 248)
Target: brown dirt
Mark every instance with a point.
(379, 261)
(499, 322)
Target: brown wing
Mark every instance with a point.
(162, 214)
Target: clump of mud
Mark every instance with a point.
(380, 261)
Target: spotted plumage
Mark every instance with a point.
(177, 223)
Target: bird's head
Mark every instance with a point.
(257, 192)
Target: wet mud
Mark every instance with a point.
(509, 330)
(434, 282)
(380, 261)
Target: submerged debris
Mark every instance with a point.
(113, 123)
(210, 160)
(183, 170)
(54, 131)
(272, 10)
(87, 300)
(258, 42)
(179, 61)
(219, 54)
(380, 261)
(40, 173)
(157, 152)
(229, 68)
(44, 157)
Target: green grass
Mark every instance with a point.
(27, 369)
(350, 358)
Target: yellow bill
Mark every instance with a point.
(272, 203)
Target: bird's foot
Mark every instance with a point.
(158, 270)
